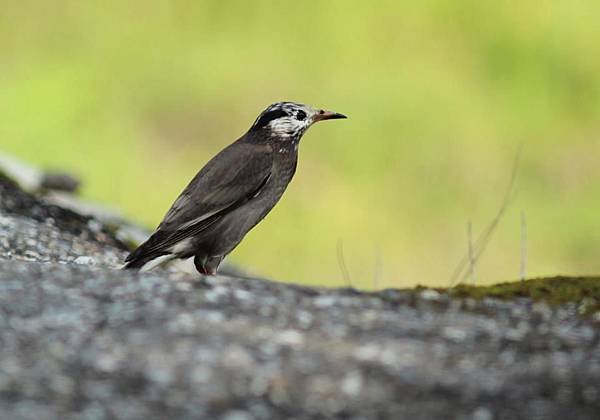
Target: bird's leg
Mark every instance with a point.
(212, 264)
(199, 262)
(207, 265)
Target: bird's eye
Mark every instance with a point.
(301, 115)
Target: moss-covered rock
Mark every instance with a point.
(584, 291)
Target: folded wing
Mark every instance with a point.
(229, 180)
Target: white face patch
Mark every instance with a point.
(288, 127)
(286, 120)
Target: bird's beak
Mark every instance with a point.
(327, 115)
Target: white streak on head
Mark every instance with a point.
(293, 123)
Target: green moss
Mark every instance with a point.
(554, 290)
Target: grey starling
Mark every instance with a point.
(232, 193)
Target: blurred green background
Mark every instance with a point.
(136, 96)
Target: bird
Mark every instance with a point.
(232, 193)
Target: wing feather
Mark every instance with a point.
(233, 177)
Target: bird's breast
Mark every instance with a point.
(284, 167)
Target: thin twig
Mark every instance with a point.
(342, 263)
(523, 246)
(378, 268)
(470, 251)
(482, 241)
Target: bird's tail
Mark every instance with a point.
(147, 262)
(144, 255)
(138, 263)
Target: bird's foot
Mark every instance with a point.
(204, 267)
(207, 272)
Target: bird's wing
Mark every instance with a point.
(231, 178)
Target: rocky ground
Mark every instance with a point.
(81, 339)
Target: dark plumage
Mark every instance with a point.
(232, 193)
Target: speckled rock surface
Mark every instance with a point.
(100, 343)
(82, 340)
(34, 230)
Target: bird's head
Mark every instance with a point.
(290, 120)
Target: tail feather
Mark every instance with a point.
(144, 253)
(139, 262)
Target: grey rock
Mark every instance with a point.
(33, 179)
(28, 177)
(98, 342)
(59, 181)
(18, 206)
